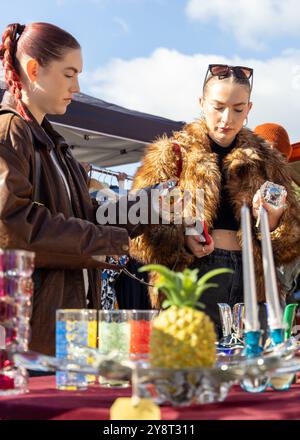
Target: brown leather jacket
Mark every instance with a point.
(63, 234)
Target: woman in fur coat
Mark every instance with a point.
(230, 163)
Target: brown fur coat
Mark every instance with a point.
(247, 167)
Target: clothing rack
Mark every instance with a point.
(106, 171)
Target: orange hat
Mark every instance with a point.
(277, 136)
(295, 156)
(295, 163)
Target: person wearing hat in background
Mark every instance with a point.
(294, 161)
(278, 137)
(295, 173)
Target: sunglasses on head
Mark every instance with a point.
(224, 71)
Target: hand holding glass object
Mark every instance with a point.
(168, 201)
(273, 194)
(272, 197)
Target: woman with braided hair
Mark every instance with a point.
(44, 200)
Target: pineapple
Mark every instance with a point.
(182, 337)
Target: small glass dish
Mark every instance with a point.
(181, 387)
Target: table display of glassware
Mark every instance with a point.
(180, 387)
(179, 384)
(186, 365)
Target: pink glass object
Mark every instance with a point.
(16, 288)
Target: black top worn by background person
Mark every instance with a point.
(132, 294)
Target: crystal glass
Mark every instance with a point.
(114, 336)
(16, 288)
(181, 387)
(231, 342)
(238, 320)
(72, 329)
(273, 194)
(226, 321)
(140, 331)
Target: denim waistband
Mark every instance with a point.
(226, 254)
(221, 256)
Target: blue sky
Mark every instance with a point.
(133, 28)
(151, 55)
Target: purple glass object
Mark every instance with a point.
(16, 288)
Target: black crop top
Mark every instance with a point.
(225, 217)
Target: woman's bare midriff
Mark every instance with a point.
(225, 239)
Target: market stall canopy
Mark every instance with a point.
(105, 134)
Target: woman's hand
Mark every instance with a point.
(197, 248)
(274, 214)
(170, 201)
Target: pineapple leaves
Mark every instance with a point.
(162, 270)
(182, 288)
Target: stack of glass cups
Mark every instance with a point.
(16, 289)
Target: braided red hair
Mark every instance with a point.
(7, 55)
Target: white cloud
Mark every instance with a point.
(249, 20)
(169, 84)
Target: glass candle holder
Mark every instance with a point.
(16, 289)
(140, 332)
(72, 328)
(114, 335)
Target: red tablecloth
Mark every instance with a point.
(45, 402)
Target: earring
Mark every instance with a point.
(202, 116)
(246, 122)
(33, 87)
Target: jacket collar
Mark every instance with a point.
(55, 138)
(44, 133)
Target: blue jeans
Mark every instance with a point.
(230, 285)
